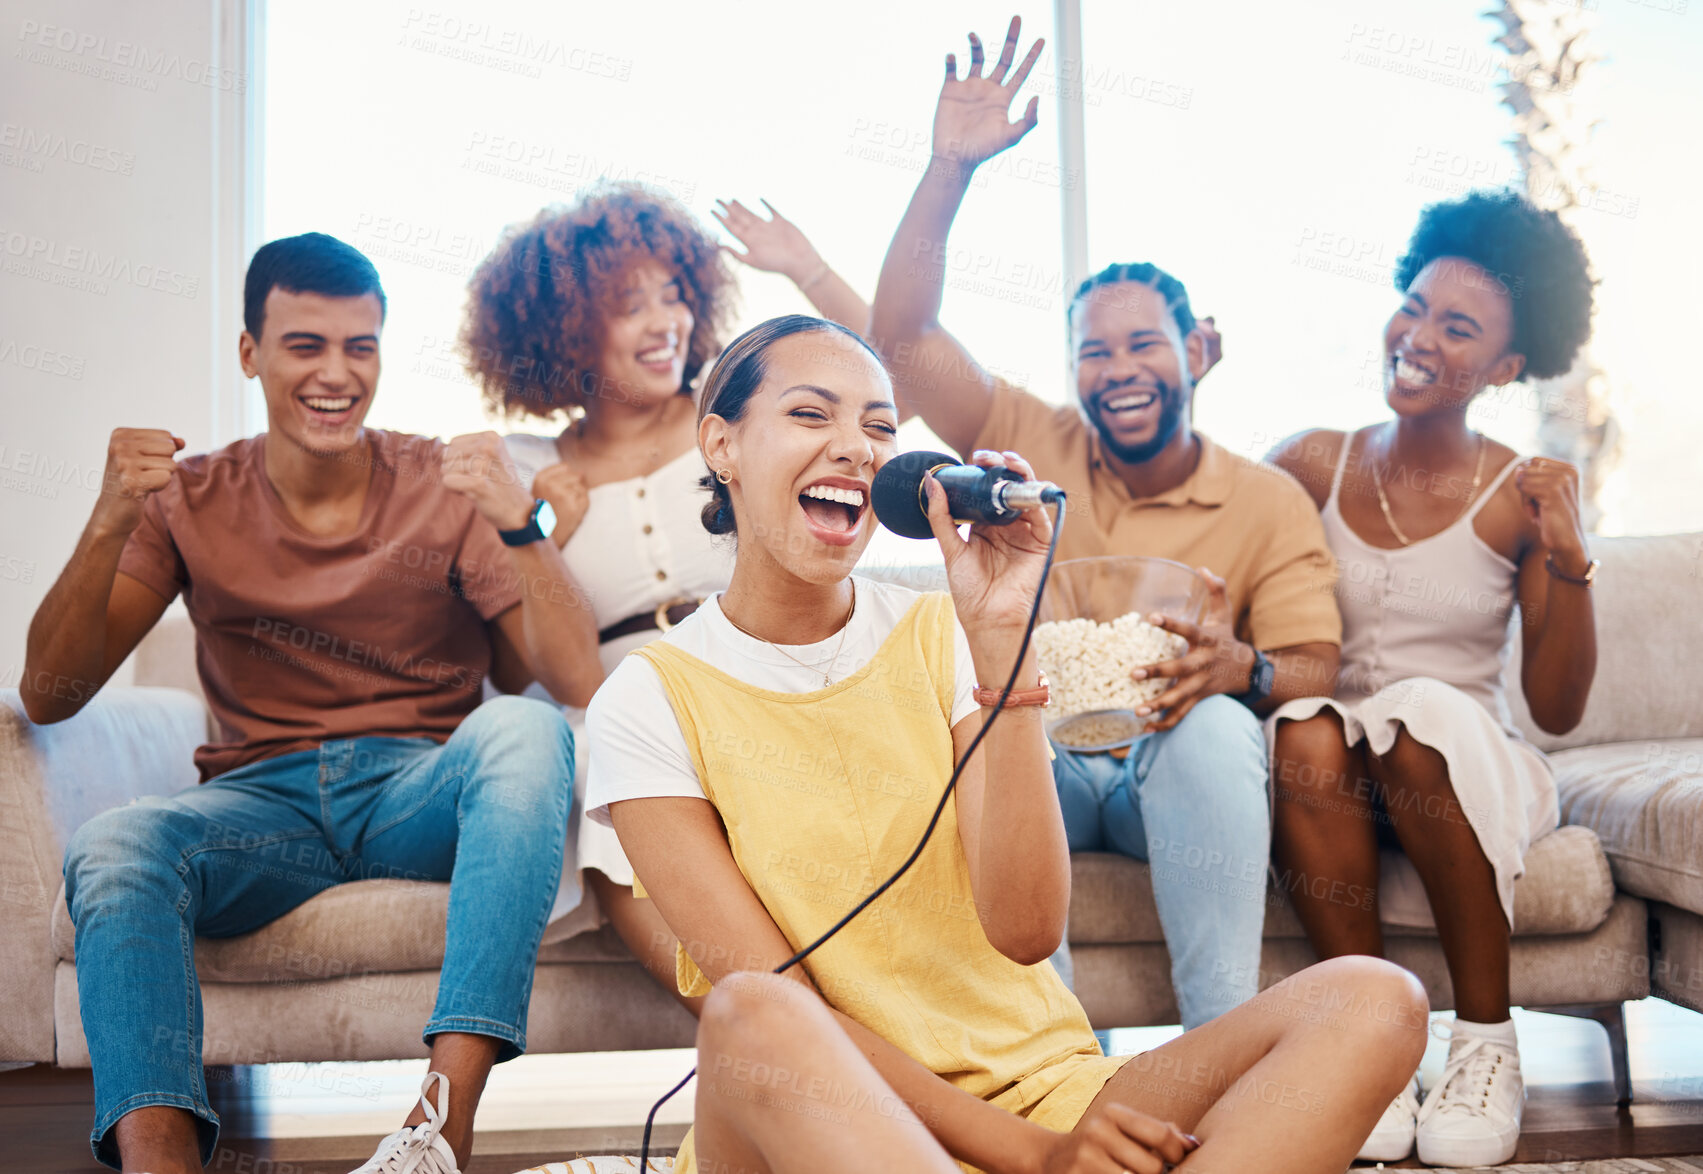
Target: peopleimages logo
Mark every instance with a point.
(43, 359)
(36, 145)
(40, 41)
(36, 256)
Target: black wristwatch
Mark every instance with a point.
(1260, 680)
(539, 523)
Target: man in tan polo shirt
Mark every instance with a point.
(1190, 798)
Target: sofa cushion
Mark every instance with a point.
(1644, 800)
(1566, 889)
(392, 926)
(1649, 671)
(363, 927)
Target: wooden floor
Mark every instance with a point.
(325, 1118)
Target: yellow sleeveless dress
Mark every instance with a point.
(823, 795)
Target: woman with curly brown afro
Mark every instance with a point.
(601, 315)
(1439, 533)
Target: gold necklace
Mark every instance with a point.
(827, 679)
(1384, 502)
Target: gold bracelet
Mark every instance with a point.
(1582, 580)
(813, 278)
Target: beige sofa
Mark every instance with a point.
(352, 973)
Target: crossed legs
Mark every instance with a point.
(1290, 1081)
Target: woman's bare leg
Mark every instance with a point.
(1292, 1081)
(1459, 879)
(783, 1090)
(1323, 839)
(644, 931)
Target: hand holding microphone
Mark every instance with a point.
(983, 492)
(995, 573)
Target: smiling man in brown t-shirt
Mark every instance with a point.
(1190, 798)
(351, 590)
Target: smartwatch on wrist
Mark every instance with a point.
(1260, 680)
(539, 523)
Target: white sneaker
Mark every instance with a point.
(1472, 1117)
(422, 1149)
(1392, 1137)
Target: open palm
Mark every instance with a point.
(972, 120)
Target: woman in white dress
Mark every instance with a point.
(604, 312)
(1438, 532)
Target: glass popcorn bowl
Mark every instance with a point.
(1093, 629)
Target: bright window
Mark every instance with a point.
(416, 134)
(1276, 157)
(1273, 156)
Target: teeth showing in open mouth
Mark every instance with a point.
(659, 355)
(321, 403)
(851, 497)
(1129, 403)
(1412, 373)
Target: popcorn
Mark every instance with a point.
(1088, 665)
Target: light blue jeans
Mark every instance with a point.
(486, 811)
(1191, 801)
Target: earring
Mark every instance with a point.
(724, 475)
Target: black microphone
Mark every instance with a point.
(974, 495)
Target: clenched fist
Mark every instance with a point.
(138, 462)
(566, 491)
(1549, 489)
(477, 466)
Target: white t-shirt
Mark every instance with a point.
(637, 750)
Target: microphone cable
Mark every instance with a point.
(1057, 498)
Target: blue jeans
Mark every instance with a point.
(1191, 801)
(486, 811)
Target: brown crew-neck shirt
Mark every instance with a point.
(300, 638)
(1251, 524)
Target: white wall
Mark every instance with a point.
(126, 206)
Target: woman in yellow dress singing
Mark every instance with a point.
(778, 754)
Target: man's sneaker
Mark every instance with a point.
(422, 1149)
(1472, 1117)
(1392, 1137)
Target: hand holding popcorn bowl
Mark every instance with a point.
(1093, 632)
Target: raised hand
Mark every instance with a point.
(971, 120)
(1549, 489)
(569, 497)
(138, 463)
(1215, 662)
(774, 245)
(477, 466)
(995, 573)
(1117, 1137)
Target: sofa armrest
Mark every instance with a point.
(126, 743)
